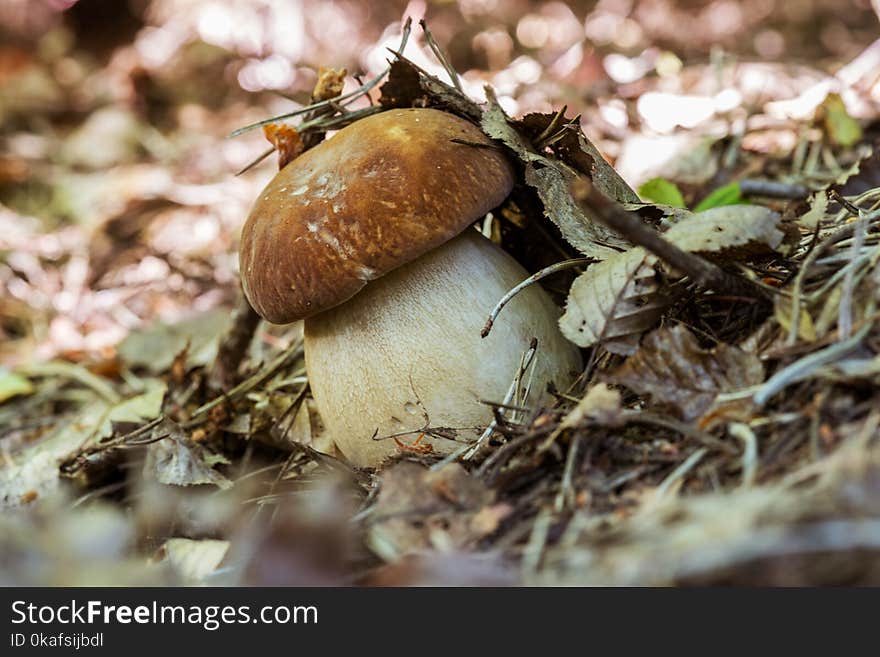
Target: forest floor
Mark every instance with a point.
(724, 431)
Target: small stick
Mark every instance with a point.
(772, 189)
(750, 452)
(534, 278)
(438, 52)
(844, 317)
(853, 209)
(630, 226)
(801, 369)
(546, 132)
(250, 165)
(525, 364)
(680, 472)
(350, 96)
(476, 144)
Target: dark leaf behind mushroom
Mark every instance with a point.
(551, 178)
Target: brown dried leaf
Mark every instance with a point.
(286, 141)
(569, 143)
(551, 179)
(728, 232)
(330, 83)
(590, 238)
(673, 369)
(177, 461)
(601, 405)
(613, 302)
(407, 86)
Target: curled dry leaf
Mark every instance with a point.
(564, 137)
(330, 83)
(601, 405)
(407, 86)
(673, 369)
(177, 461)
(551, 180)
(613, 302)
(817, 212)
(728, 232)
(193, 560)
(286, 141)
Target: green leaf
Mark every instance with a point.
(660, 190)
(730, 194)
(12, 385)
(840, 126)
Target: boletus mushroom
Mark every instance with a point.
(366, 237)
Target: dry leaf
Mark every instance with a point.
(613, 302)
(551, 181)
(601, 405)
(286, 141)
(177, 461)
(817, 212)
(782, 313)
(673, 369)
(839, 125)
(330, 83)
(155, 346)
(730, 231)
(569, 143)
(194, 560)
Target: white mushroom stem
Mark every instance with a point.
(405, 353)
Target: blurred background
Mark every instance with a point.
(119, 200)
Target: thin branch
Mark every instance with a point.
(440, 55)
(534, 278)
(250, 165)
(630, 226)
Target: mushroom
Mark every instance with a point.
(366, 238)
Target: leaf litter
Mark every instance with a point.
(713, 438)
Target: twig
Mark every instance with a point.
(534, 278)
(844, 316)
(772, 189)
(351, 95)
(77, 373)
(526, 363)
(534, 549)
(803, 368)
(842, 233)
(250, 165)
(686, 430)
(566, 492)
(680, 472)
(198, 416)
(546, 132)
(630, 226)
(440, 55)
(750, 453)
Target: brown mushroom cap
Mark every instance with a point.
(377, 195)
